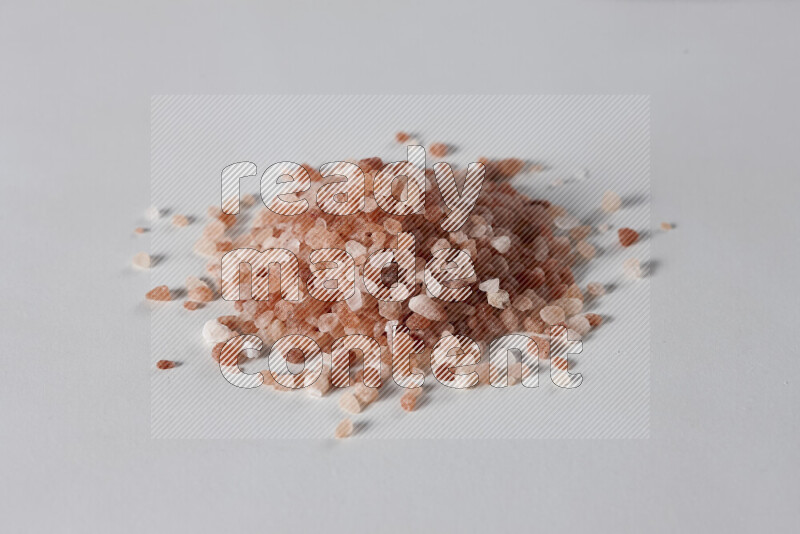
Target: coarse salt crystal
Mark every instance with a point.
(438, 150)
(320, 387)
(552, 315)
(498, 299)
(501, 244)
(408, 402)
(523, 303)
(159, 293)
(610, 202)
(627, 236)
(365, 394)
(571, 306)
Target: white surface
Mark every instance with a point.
(76, 83)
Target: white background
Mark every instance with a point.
(74, 400)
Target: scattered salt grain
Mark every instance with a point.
(627, 236)
(344, 429)
(365, 394)
(501, 244)
(142, 260)
(632, 268)
(408, 402)
(159, 293)
(610, 202)
(153, 213)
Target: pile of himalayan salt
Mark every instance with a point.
(523, 251)
(523, 261)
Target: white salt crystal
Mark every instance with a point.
(214, 332)
(153, 213)
(142, 260)
(501, 244)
